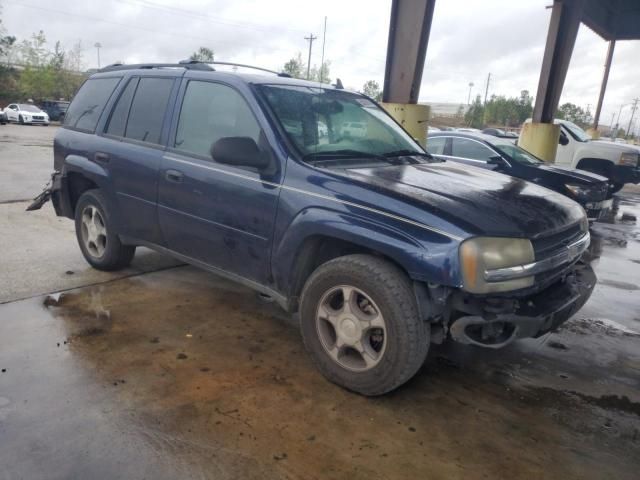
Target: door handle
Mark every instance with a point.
(101, 157)
(173, 176)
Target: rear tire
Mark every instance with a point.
(98, 241)
(378, 341)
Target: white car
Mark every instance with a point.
(26, 113)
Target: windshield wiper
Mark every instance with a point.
(413, 153)
(407, 153)
(343, 154)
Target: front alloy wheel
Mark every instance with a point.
(360, 324)
(351, 328)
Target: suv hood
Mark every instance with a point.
(478, 201)
(613, 146)
(572, 175)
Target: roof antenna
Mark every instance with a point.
(338, 84)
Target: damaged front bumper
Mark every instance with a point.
(496, 322)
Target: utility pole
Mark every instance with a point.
(613, 116)
(486, 91)
(633, 112)
(469, 96)
(310, 39)
(324, 40)
(98, 46)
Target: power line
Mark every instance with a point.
(209, 18)
(310, 39)
(110, 22)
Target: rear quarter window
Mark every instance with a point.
(88, 104)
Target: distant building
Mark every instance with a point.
(442, 109)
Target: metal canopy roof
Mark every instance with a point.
(613, 19)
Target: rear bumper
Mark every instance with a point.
(497, 322)
(56, 191)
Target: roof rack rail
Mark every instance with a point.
(186, 64)
(233, 64)
(148, 66)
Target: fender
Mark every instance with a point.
(78, 164)
(91, 170)
(436, 263)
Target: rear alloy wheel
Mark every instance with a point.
(360, 324)
(99, 244)
(94, 233)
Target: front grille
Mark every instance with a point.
(547, 245)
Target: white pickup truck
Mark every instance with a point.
(620, 163)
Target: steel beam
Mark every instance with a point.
(409, 30)
(603, 86)
(563, 30)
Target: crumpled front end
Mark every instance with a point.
(494, 322)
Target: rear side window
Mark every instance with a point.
(88, 104)
(146, 114)
(209, 112)
(118, 121)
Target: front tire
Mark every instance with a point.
(21, 120)
(98, 241)
(360, 324)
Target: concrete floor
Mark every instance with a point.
(164, 371)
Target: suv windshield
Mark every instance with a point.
(327, 123)
(29, 108)
(575, 131)
(517, 154)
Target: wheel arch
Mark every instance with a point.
(597, 165)
(318, 235)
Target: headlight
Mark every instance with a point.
(480, 255)
(629, 159)
(578, 191)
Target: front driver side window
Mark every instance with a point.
(466, 148)
(435, 145)
(211, 111)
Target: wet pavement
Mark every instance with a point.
(175, 373)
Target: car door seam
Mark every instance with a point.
(325, 197)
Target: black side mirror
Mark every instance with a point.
(563, 140)
(239, 151)
(497, 160)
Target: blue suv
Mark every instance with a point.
(380, 248)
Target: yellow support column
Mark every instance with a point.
(540, 139)
(593, 133)
(413, 118)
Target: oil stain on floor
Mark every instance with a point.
(180, 375)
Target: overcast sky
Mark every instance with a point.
(469, 39)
